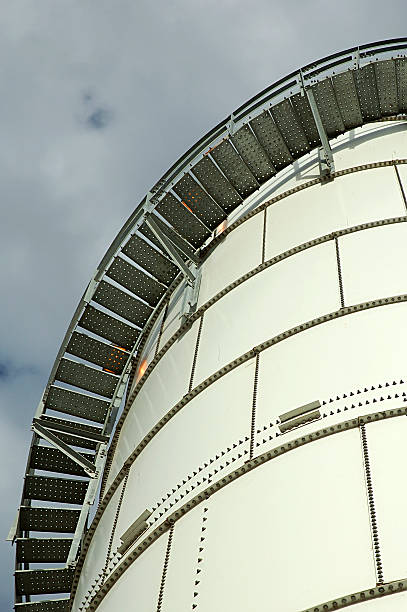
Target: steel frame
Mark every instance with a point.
(326, 158)
(173, 245)
(56, 442)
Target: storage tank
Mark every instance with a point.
(248, 328)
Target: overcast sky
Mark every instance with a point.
(98, 99)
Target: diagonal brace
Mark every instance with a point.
(172, 249)
(88, 466)
(73, 431)
(326, 148)
(180, 243)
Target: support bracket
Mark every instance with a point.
(44, 433)
(326, 158)
(190, 297)
(87, 503)
(173, 245)
(231, 126)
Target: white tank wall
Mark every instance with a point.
(388, 458)
(396, 602)
(372, 263)
(215, 275)
(139, 585)
(321, 209)
(295, 290)
(294, 532)
(157, 396)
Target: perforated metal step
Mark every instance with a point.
(85, 377)
(73, 433)
(200, 202)
(108, 327)
(234, 168)
(183, 220)
(290, 128)
(304, 117)
(151, 260)
(136, 281)
(122, 303)
(107, 356)
(77, 404)
(42, 550)
(215, 183)
(328, 108)
(53, 460)
(35, 582)
(347, 99)
(49, 488)
(387, 87)
(269, 136)
(58, 520)
(253, 154)
(51, 605)
(366, 86)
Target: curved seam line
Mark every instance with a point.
(216, 376)
(366, 595)
(261, 267)
(317, 181)
(238, 361)
(202, 309)
(246, 468)
(374, 531)
(165, 569)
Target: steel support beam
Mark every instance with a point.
(326, 158)
(87, 503)
(73, 431)
(44, 433)
(327, 166)
(173, 250)
(179, 242)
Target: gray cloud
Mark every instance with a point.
(99, 119)
(73, 165)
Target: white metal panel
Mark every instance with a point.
(370, 143)
(388, 603)
(268, 436)
(303, 216)
(292, 291)
(301, 171)
(388, 460)
(172, 321)
(292, 533)
(150, 346)
(373, 263)
(147, 356)
(161, 391)
(332, 359)
(347, 201)
(206, 427)
(96, 555)
(239, 253)
(138, 588)
(182, 568)
(370, 195)
(171, 325)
